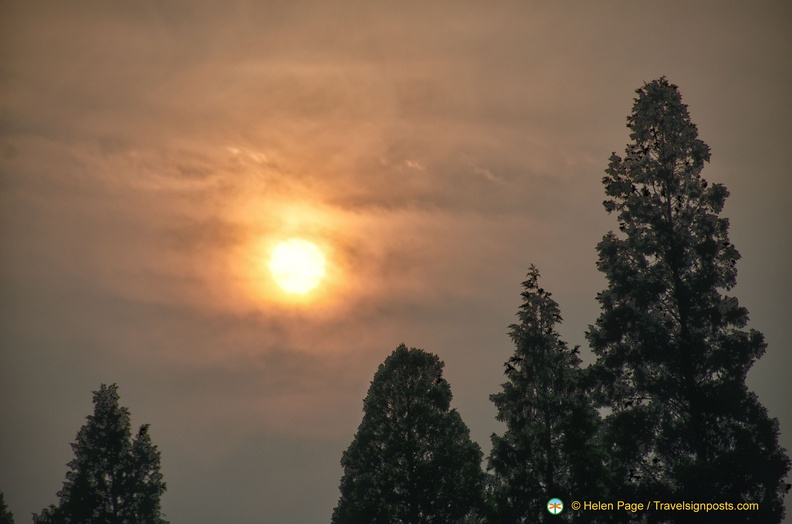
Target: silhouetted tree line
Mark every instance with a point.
(672, 356)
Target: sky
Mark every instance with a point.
(152, 154)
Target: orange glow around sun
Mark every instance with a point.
(291, 256)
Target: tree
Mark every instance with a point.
(673, 351)
(6, 517)
(112, 479)
(412, 460)
(549, 448)
(144, 483)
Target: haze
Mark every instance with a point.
(151, 153)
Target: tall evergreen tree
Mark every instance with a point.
(6, 517)
(549, 448)
(412, 460)
(112, 478)
(673, 351)
(144, 482)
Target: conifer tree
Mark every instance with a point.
(112, 479)
(144, 482)
(6, 517)
(549, 448)
(412, 460)
(673, 350)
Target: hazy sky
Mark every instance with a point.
(152, 153)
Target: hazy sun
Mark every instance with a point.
(297, 265)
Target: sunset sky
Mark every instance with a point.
(153, 154)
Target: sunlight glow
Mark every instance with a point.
(297, 265)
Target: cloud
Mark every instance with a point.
(152, 154)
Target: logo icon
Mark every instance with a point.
(555, 506)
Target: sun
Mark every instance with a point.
(297, 265)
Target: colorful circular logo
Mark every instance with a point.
(555, 506)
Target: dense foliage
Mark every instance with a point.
(549, 448)
(673, 350)
(113, 478)
(412, 460)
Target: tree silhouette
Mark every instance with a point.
(112, 479)
(549, 448)
(144, 482)
(6, 517)
(412, 460)
(673, 351)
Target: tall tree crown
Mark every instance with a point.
(668, 212)
(113, 479)
(549, 448)
(411, 460)
(667, 271)
(672, 351)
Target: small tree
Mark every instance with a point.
(672, 350)
(549, 448)
(112, 479)
(6, 517)
(412, 460)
